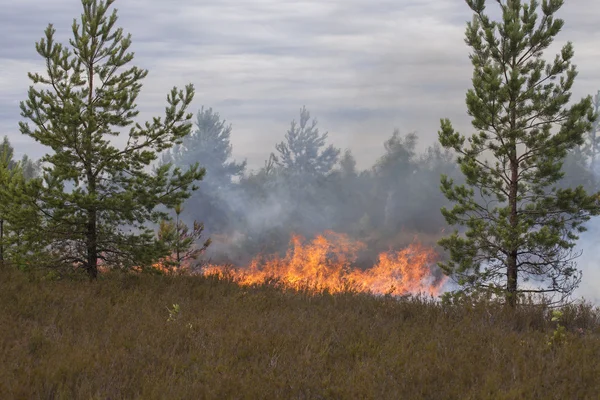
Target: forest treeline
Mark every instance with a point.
(308, 185)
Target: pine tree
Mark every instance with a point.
(18, 221)
(87, 97)
(348, 165)
(9, 174)
(30, 168)
(301, 175)
(7, 152)
(521, 227)
(180, 241)
(210, 146)
(394, 173)
(303, 153)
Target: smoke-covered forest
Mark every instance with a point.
(308, 186)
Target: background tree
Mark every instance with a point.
(577, 170)
(30, 168)
(88, 97)
(348, 191)
(292, 193)
(305, 163)
(580, 164)
(522, 227)
(393, 174)
(210, 146)
(404, 192)
(14, 216)
(10, 174)
(426, 196)
(304, 153)
(593, 143)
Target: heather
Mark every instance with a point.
(143, 336)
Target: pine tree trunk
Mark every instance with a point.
(92, 246)
(511, 271)
(511, 262)
(92, 232)
(178, 237)
(1, 240)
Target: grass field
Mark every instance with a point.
(122, 337)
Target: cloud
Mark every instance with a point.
(363, 67)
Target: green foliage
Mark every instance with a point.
(520, 226)
(29, 168)
(559, 335)
(97, 198)
(18, 220)
(111, 340)
(180, 241)
(210, 145)
(173, 312)
(304, 153)
(10, 176)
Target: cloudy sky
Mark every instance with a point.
(362, 67)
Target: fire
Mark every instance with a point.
(326, 263)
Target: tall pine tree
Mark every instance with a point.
(86, 98)
(520, 227)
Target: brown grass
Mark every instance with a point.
(110, 339)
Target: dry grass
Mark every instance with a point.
(110, 339)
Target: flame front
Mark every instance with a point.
(326, 263)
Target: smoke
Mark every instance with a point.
(589, 263)
(307, 187)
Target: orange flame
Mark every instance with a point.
(325, 263)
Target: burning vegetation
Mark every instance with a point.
(328, 263)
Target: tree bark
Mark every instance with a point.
(92, 228)
(511, 262)
(1, 240)
(92, 246)
(92, 232)
(513, 249)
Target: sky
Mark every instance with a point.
(362, 67)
